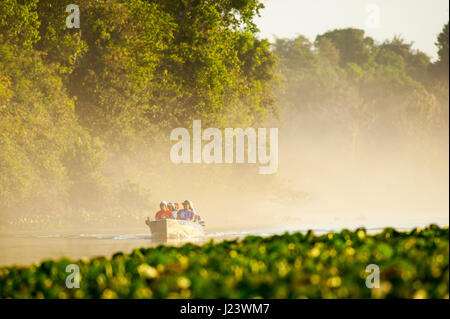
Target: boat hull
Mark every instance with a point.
(172, 228)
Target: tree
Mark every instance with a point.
(363, 90)
(327, 51)
(400, 54)
(19, 23)
(441, 68)
(295, 54)
(352, 45)
(74, 100)
(38, 128)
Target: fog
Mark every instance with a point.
(323, 181)
(326, 179)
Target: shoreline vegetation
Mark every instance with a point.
(413, 264)
(86, 114)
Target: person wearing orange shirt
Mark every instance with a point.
(164, 213)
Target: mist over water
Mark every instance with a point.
(362, 130)
(320, 185)
(323, 183)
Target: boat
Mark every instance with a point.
(174, 228)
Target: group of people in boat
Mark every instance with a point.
(169, 210)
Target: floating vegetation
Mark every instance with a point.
(412, 264)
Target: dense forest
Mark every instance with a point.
(76, 102)
(364, 87)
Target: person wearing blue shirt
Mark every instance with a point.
(187, 213)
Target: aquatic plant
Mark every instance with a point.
(412, 264)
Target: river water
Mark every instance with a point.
(27, 247)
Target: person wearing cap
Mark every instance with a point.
(164, 213)
(172, 208)
(187, 213)
(177, 208)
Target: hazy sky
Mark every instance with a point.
(419, 21)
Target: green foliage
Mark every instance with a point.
(73, 100)
(88, 188)
(113, 79)
(62, 46)
(441, 67)
(215, 68)
(352, 45)
(19, 22)
(364, 90)
(38, 126)
(401, 56)
(412, 264)
(442, 44)
(138, 64)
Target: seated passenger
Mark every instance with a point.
(172, 208)
(187, 213)
(164, 213)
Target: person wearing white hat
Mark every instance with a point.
(164, 213)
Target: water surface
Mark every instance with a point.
(27, 247)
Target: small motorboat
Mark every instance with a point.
(173, 228)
